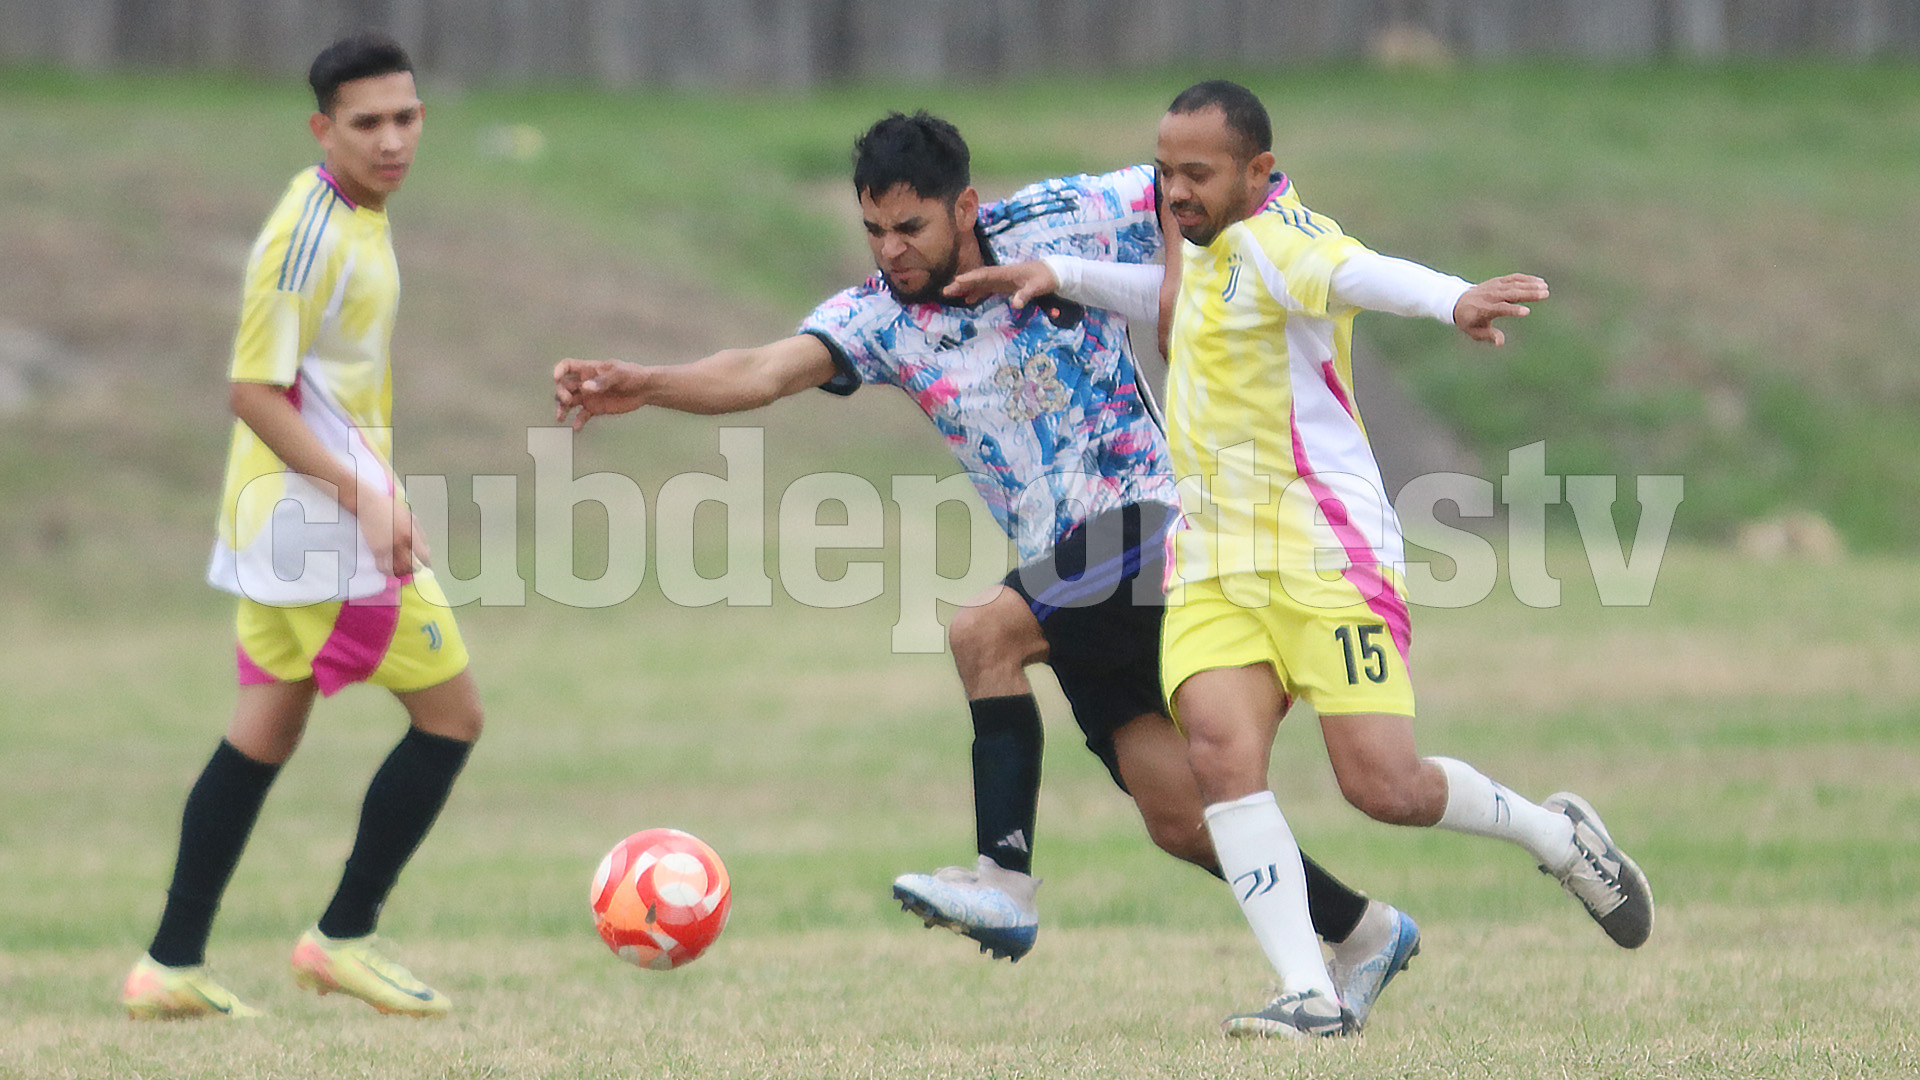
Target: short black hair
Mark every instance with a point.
(1246, 117)
(358, 56)
(921, 151)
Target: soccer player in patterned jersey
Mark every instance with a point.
(1043, 404)
(317, 542)
(1276, 474)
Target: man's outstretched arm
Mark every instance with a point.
(731, 380)
(1378, 282)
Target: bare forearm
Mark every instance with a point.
(720, 383)
(271, 416)
(728, 381)
(725, 382)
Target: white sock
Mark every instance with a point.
(1479, 807)
(1261, 862)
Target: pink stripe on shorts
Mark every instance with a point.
(361, 634)
(251, 674)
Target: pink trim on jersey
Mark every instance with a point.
(1364, 571)
(251, 674)
(1280, 187)
(939, 393)
(362, 633)
(1339, 392)
(335, 185)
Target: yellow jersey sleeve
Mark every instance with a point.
(1296, 252)
(278, 314)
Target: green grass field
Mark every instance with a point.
(1732, 302)
(1751, 737)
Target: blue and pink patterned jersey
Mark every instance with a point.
(1043, 405)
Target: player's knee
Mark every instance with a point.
(463, 726)
(1225, 759)
(983, 640)
(1185, 840)
(1383, 798)
(462, 720)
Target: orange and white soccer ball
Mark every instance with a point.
(660, 898)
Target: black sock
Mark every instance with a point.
(405, 796)
(1007, 739)
(220, 813)
(1336, 909)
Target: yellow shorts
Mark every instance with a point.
(404, 639)
(1341, 652)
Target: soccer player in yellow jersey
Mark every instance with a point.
(316, 541)
(1287, 582)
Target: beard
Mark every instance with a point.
(938, 278)
(1210, 229)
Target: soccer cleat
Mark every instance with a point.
(991, 905)
(1301, 1015)
(155, 991)
(1601, 876)
(1361, 971)
(359, 968)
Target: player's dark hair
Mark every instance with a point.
(359, 56)
(1246, 117)
(921, 151)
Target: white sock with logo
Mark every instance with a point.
(1261, 862)
(1479, 807)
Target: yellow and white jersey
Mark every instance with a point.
(1276, 476)
(322, 287)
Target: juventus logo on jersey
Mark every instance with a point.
(1233, 278)
(1260, 881)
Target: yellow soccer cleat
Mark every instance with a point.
(155, 991)
(358, 968)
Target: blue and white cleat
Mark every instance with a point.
(989, 904)
(1386, 940)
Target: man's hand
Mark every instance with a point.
(1496, 298)
(1019, 282)
(590, 388)
(399, 547)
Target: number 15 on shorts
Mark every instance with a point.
(1364, 655)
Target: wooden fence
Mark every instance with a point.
(800, 43)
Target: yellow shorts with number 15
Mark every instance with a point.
(1340, 645)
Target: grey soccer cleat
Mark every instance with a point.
(1301, 1015)
(1601, 876)
(992, 905)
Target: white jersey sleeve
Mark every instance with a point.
(1375, 282)
(1131, 289)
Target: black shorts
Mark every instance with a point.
(1099, 599)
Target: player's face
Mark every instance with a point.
(370, 136)
(1206, 186)
(918, 244)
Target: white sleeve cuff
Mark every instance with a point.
(1383, 283)
(1131, 289)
